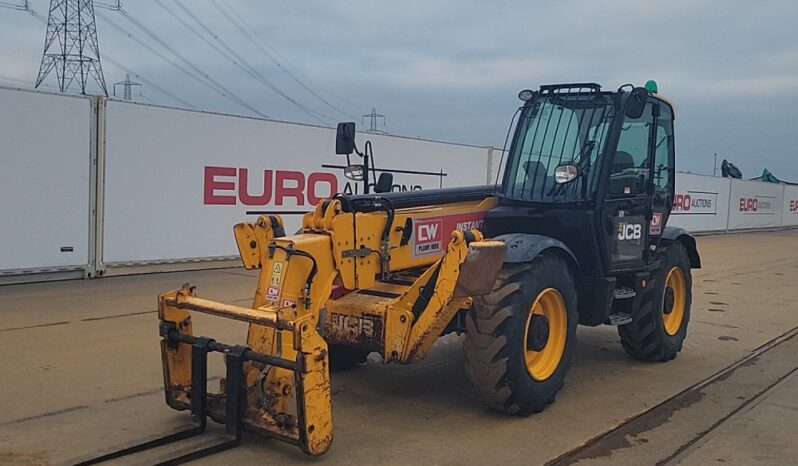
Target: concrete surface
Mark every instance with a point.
(681, 429)
(81, 372)
(764, 433)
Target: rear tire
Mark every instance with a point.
(660, 325)
(344, 357)
(499, 363)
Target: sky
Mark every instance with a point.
(451, 70)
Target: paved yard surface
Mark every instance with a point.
(81, 372)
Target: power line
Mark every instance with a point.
(146, 98)
(254, 42)
(24, 82)
(248, 68)
(243, 30)
(155, 52)
(162, 56)
(110, 59)
(191, 28)
(197, 74)
(23, 6)
(188, 63)
(149, 83)
(216, 86)
(242, 63)
(197, 33)
(259, 42)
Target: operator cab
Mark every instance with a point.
(585, 162)
(593, 169)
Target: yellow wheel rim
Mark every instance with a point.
(675, 301)
(541, 364)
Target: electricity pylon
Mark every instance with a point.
(70, 45)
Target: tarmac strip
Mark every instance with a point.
(669, 431)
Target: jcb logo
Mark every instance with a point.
(352, 328)
(628, 231)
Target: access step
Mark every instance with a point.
(619, 318)
(624, 293)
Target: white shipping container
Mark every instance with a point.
(790, 207)
(754, 204)
(45, 150)
(176, 181)
(701, 203)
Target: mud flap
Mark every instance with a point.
(481, 267)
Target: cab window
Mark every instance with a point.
(629, 172)
(664, 152)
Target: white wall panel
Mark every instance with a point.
(755, 205)
(45, 157)
(790, 206)
(701, 203)
(177, 181)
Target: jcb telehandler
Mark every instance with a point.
(579, 235)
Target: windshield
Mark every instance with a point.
(566, 127)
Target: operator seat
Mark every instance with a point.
(622, 161)
(621, 184)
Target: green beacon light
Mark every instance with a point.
(651, 86)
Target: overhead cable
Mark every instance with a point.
(251, 70)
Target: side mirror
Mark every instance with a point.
(565, 173)
(384, 183)
(345, 138)
(355, 172)
(636, 103)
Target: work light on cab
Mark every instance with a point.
(526, 95)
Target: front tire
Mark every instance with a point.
(520, 338)
(660, 325)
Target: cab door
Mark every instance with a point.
(627, 207)
(664, 173)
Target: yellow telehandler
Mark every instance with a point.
(578, 234)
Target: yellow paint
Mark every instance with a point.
(441, 307)
(541, 364)
(176, 360)
(348, 249)
(253, 238)
(673, 320)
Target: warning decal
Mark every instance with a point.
(277, 274)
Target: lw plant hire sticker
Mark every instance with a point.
(427, 238)
(277, 274)
(655, 227)
(289, 303)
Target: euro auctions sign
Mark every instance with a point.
(757, 205)
(232, 185)
(695, 202)
(280, 188)
(790, 206)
